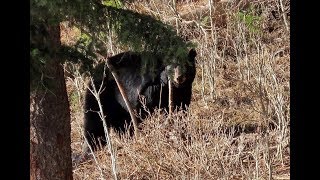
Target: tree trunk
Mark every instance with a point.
(50, 142)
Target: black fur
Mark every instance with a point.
(138, 80)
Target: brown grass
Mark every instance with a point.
(243, 75)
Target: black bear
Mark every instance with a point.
(148, 79)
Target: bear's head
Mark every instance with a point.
(183, 74)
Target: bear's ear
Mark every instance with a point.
(192, 54)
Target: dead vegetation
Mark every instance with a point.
(243, 75)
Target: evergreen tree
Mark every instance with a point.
(49, 111)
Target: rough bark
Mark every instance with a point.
(50, 142)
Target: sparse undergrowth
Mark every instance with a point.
(191, 147)
(243, 75)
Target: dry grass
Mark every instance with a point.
(243, 75)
